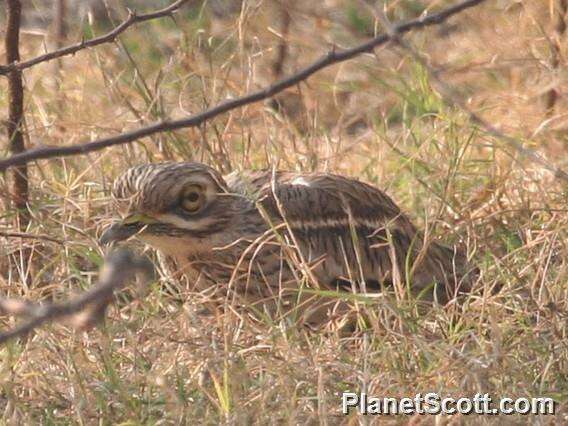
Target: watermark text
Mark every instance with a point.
(433, 403)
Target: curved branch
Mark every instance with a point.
(84, 310)
(333, 57)
(26, 236)
(132, 19)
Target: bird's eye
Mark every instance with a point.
(192, 198)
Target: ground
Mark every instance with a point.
(160, 357)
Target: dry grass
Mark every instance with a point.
(160, 358)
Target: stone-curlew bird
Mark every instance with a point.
(268, 234)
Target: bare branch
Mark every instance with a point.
(26, 236)
(14, 124)
(86, 309)
(333, 57)
(133, 18)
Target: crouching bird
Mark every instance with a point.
(275, 236)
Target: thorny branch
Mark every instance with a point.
(85, 310)
(133, 18)
(333, 57)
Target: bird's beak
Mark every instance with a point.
(125, 229)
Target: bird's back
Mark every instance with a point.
(351, 234)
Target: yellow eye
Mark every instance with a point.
(192, 198)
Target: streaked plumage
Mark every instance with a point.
(262, 232)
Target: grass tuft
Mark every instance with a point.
(167, 356)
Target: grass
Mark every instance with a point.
(161, 357)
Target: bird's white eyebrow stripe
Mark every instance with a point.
(194, 224)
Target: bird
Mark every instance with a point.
(266, 236)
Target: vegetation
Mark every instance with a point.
(166, 356)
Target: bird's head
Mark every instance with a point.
(174, 207)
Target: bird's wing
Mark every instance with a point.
(321, 201)
(357, 229)
(318, 200)
(315, 196)
(327, 213)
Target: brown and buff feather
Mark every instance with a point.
(357, 231)
(260, 232)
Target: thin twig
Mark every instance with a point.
(31, 237)
(86, 309)
(133, 18)
(333, 57)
